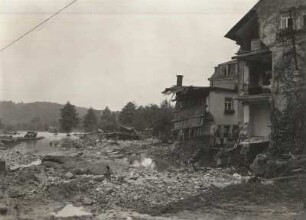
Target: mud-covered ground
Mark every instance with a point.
(144, 182)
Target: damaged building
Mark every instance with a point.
(204, 114)
(271, 37)
(245, 91)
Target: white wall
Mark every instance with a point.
(216, 106)
(225, 83)
(246, 113)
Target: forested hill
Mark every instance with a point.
(46, 113)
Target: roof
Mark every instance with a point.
(186, 89)
(231, 34)
(253, 54)
(228, 62)
(216, 75)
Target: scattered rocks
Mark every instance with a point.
(69, 175)
(26, 175)
(99, 178)
(87, 201)
(63, 191)
(266, 166)
(14, 192)
(55, 159)
(82, 179)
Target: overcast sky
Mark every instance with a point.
(107, 52)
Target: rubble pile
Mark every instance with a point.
(14, 157)
(77, 174)
(147, 190)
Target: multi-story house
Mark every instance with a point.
(205, 114)
(272, 38)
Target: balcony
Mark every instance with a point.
(257, 90)
(188, 123)
(255, 93)
(189, 113)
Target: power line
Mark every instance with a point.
(37, 26)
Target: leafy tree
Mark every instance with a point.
(90, 121)
(128, 114)
(108, 120)
(288, 129)
(139, 121)
(146, 116)
(69, 117)
(163, 124)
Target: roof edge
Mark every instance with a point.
(242, 21)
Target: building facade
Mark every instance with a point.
(272, 50)
(208, 114)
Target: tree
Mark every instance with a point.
(69, 117)
(146, 117)
(108, 120)
(90, 121)
(128, 114)
(163, 124)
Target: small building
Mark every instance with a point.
(208, 114)
(272, 48)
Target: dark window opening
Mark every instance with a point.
(286, 21)
(229, 106)
(224, 71)
(290, 23)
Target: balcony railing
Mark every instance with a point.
(189, 113)
(256, 89)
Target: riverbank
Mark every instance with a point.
(142, 183)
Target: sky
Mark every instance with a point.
(99, 53)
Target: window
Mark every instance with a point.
(304, 21)
(228, 104)
(224, 71)
(232, 69)
(286, 21)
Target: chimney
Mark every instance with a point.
(179, 80)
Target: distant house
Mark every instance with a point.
(208, 114)
(272, 44)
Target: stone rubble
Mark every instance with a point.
(78, 177)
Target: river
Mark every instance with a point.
(41, 146)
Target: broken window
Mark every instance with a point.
(229, 104)
(286, 21)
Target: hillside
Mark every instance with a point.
(46, 113)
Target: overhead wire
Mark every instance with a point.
(38, 25)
